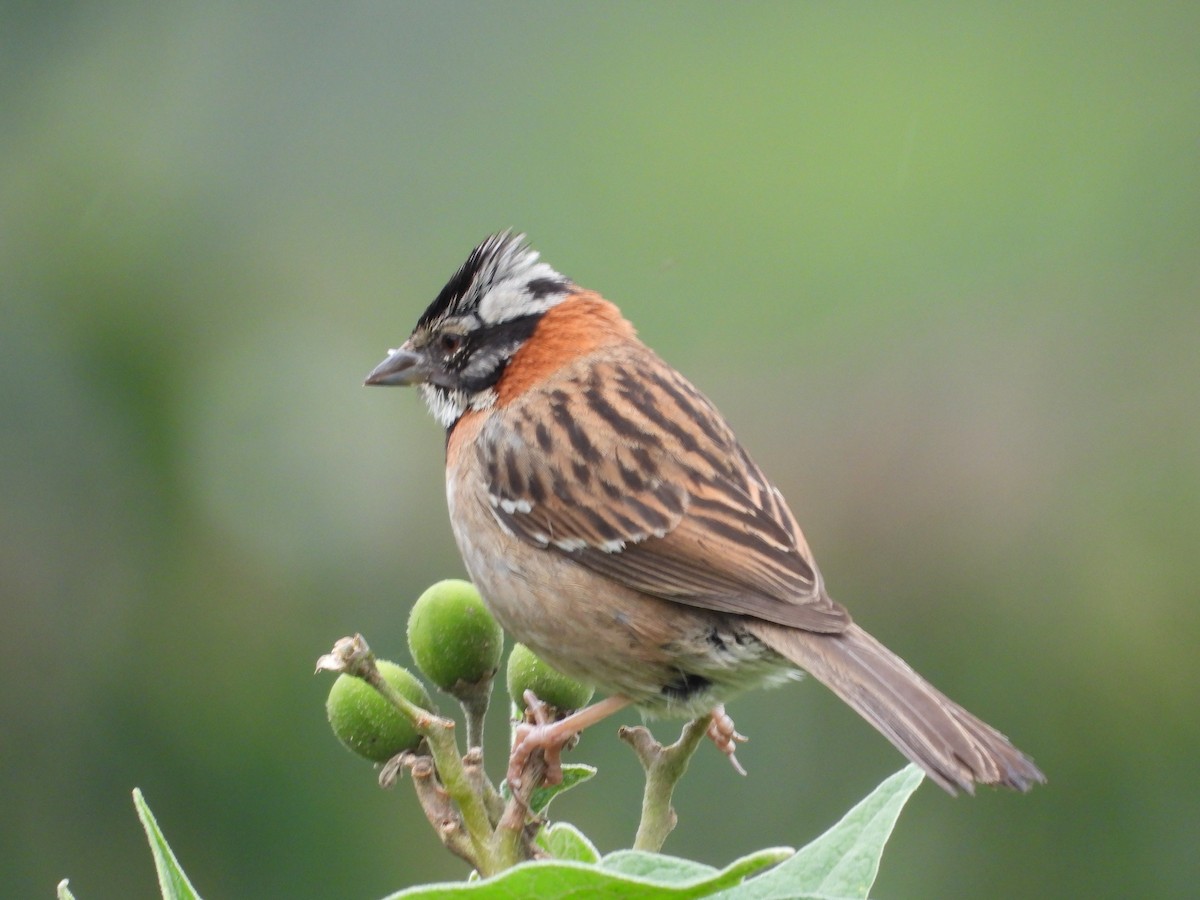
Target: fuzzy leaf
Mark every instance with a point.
(844, 861)
(673, 870)
(632, 876)
(573, 774)
(562, 840)
(657, 867)
(172, 881)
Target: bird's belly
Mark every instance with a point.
(669, 658)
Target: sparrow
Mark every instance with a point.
(614, 524)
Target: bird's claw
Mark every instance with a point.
(531, 736)
(722, 732)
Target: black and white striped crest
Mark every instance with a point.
(502, 279)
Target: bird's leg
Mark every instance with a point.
(722, 733)
(550, 736)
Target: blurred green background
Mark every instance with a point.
(938, 263)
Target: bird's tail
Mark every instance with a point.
(956, 749)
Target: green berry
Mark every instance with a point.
(366, 722)
(452, 636)
(526, 672)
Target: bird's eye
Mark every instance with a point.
(450, 343)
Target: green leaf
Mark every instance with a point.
(627, 875)
(573, 774)
(171, 880)
(839, 865)
(64, 892)
(844, 861)
(656, 867)
(673, 870)
(562, 840)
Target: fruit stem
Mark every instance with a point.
(353, 656)
(474, 700)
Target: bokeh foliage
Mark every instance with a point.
(937, 262)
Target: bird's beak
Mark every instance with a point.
(403, 366)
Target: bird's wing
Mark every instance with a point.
(626, 467)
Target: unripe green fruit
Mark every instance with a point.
(366, 722)
(526, 672)
(453, 637)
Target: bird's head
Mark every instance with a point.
(462, 343)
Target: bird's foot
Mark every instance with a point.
(722, 733)
(551, 737)
(539, 734)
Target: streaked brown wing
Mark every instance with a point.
(626, 467)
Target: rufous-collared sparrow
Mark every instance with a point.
(614, 523)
